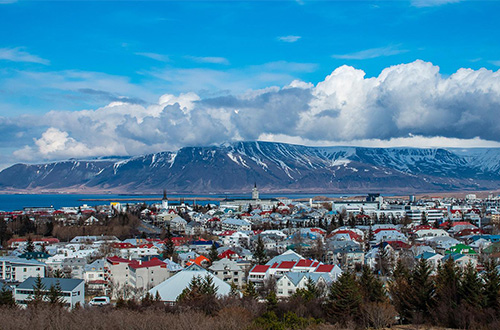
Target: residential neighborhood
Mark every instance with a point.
(161, 250)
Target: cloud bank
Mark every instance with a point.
(407, 104)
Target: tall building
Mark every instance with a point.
(255, 192)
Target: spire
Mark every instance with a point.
(164, 194)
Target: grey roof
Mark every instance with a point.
(171, 288)
(296, 277)
(236, 222)
(67, 284)
(289, 255)
(224, 264)
(97, 265)
(22, 261)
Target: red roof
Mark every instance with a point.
(324, 268)
(461, 223)
(228, 254)
(399, 244)
(259, 269)
(155, 262)
(286, 265)
(304, 263)
(122, 245)
(116, 260)
(149, 246)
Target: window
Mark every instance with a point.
(24, 270)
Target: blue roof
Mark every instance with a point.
(67, 284)
(426, 255)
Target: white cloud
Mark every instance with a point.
(371, 53)
(406, 105)
(289, 39)
(17, 54)
(432, 3)
(155, 56)
(209, 59)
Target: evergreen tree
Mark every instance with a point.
(384, 260)
(401, 291)
(470, 289)
(491, 286)
(54, 295)
(423, 290)
(5, 233)
(6, 297)
(30, 247)
(38, 296)
(168, 245)
(447, 293)
(213, 255)
(371, 288)
(344, 299)
(308, 293)
(250, 291)
(259, 254)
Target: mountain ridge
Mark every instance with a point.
(275, 167)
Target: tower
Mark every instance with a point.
(164, 200)
(255, 191)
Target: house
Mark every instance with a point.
(178, 224)
(73, 290)
(170, 289)
(461, 260)
(147, 274)
(259, 274)
(236, 224)
(14, 269)
(229, 271)
(432, 259)
(289, 283)
(93, 275)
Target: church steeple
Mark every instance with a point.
(164, 201)
(255, 192)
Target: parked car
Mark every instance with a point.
(100, 301)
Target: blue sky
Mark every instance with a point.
(70, 56)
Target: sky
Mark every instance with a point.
(83, 79)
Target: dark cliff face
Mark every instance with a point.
(274, 166)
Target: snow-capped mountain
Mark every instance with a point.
(274, 167)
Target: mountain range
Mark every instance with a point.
(274, 167)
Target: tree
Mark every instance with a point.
(250, 291)
(447, 293)
(384, 262)
(309, 293)
(371, 288)
(401, 291)
(344, 299)
(491, 286)
(54, 295)
(6, 297)
(470, 289)
(30, 247)
(38, 296)
(259, 254)
(168, 245)
(423, 290)
(213, 255)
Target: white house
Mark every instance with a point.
(171, 288)
(73, 290)
(14, 269)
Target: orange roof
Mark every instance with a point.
(199, 260)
